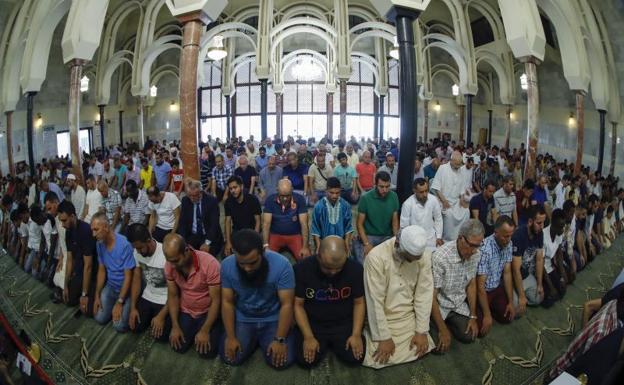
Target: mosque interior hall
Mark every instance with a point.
(541, 78)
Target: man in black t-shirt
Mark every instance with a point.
(247, 173)
(242, 211)
(329, 305)
(81, 267)
(482, 207)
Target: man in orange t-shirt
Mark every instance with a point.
(366, 170)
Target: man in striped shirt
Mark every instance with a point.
(505, 199)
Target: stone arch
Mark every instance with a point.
(105, 73)
(453, 48)
(151, 53)
(291, 11)
(504, 77)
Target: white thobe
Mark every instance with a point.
(450, 184)
(427, 216)
(398, 302)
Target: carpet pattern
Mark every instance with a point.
(78, 351)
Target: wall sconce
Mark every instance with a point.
(173, 106)
(437, 106)
(524, 82)
(39, 121)
(455, 90)
(153, 91)
(571, 120)
(97, 117)
(84, 84)
(512, 116)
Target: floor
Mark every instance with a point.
(76, 350)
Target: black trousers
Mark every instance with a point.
(334, 341)
(190, 327)
(159, 234)
(74, 287)
(147, 311)
(457, 325)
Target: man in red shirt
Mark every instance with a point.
(193, 297)
(366, 170)
(176, 177)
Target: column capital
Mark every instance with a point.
(200, 16)
(77, 62)
(530, 59)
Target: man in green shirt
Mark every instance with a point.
(378, 216)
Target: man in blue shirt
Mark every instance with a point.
(262, 159)
(540, 193)
(297, 173)
(257, 294)
(162, 170)
(114, 277)
(332, 216)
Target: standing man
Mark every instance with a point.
(332, 216)
(242, 211)
(318, 173)
(398, 284)
(447, 187)
(78, 194)
(149, 308)
(269, 177)
(257, 303)
(114, 277)
(423, 209)
(329, 305)
(494, 277)
(199, 219)
(247, 173)
(348, 178)
(366, 171)
(164, 213)
(220, 175)
(505, 199)
(454, 307)
(111, 201)
(297, 173)
(136, 208)
(482, 207)
(378, 216)
(162, 171)
(391, 168)
(193, 297)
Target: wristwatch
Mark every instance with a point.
(120, 300)
(280, 340)
(473, 316)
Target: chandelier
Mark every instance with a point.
(306, 69)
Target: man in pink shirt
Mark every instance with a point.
(193, 297)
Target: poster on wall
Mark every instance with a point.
(19, 145)
(97, 142)
(49, 142)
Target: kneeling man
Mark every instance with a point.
(398, 284)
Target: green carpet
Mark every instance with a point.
(80, 351)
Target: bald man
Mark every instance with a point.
(329, 305)
(193, 297)
(114, 276)
(450, 192)
(285, 221)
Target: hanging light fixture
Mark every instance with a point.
(524, 82)
(394, 52)
(84, 84)
(173, 106)
(39, 121)
(217, 51)
(437, 107)
(455, 90)
(571, 120)
(306, 69)
(153, 91)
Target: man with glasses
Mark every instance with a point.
(454, 308)
(496, 294)
(398, 285)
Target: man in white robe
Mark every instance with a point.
(398, 283)
(448, 185)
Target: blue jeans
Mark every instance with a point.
(108, 299)
(252, 334)
(33, 255)
(358, 246)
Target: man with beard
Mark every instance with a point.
(78, 194)
(329, 305)
(494, 276)
(528, 260)
(332, 216)
(93, 202)
(162, 169)
(398, 284)
(150, 307)
(257, 294)
(242, 211)
(483, 207)
(193, 297)
(554, 277)
(81, 267)
(285, 221)
(423, 209)
(199, 219)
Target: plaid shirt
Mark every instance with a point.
(451, 276)
(222, 175)
(111, 203)
(493, 261)
(601, 325)
(137, 210)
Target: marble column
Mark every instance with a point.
(490, 121)
(9, 140)
(233, 120)
(228, 119)
(121, 142)
(343, 109)
(508, 128)
(613, 147)
(580, 132)
(468, 119)
(462, 118)
(329, 112)
(101, 107)
(408, 91)
(279, 115)
(193, 26)
(141, 120)
(30, 97)
(263, 108)
(601, 146)
(532, 118)
(426, 121)
(376, 116)
(74, 116)
(382, 99)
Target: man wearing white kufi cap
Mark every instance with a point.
(398, 284)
